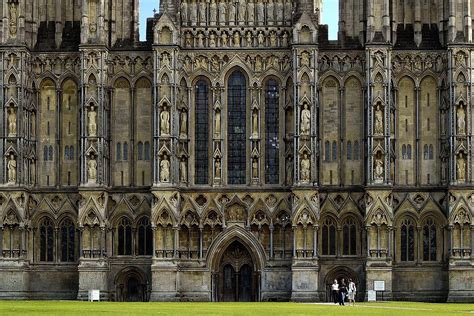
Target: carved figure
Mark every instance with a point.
(255, 123)
(11, 166)
(11, 122)
(305, 120)
(165, 120)
(270, 11)
(200, 39)
(289, 170)
(378, 120)
(236, 39)
(279, 11)
(222, 12)
(92, 121)
(232, 13)
(193, 12)
(305, 59)
(165, 169)
(92, 169)
(250, 12)
(378, 169)
(13, 18)
(224, 39)
(305, 168)
(202, 12)
(212, 40)
(260, 11)
(288, 11)
(183, 173)
(255, 168)
(184, 12)
(218, 168)
(461, 168)
(183, 131)
(273, 39)
(217, 131)
(249, 39)
(461, 122)
(261, 39)
(284, 39)
(213, 12)
(242, 11)
(165, 60)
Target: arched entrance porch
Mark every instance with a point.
(339, 273)
(131, 285)
(236, 259)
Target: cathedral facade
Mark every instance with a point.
(237, 154)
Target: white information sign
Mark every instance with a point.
(371, 296)
(94, 295)
(379, 286)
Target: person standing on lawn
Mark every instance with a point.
(342, 292)
(351, 292)
(335, 291)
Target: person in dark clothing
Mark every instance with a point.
(342, 292)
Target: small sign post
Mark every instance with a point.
(379, 286)
(94, 295)
(371, 296)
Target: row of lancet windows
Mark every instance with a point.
(352, 151)
(428, 152)
(143, 151)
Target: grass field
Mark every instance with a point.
(64, 308)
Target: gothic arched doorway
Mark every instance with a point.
(237, 276)
(338, 274)
(131, 286)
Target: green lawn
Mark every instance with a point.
(64, 308)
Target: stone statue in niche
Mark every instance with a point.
(165, 60)
(260, 11)
(249, 39)
(165, 120)
(213, 12)
(279, 11)
(461, 167)
(193, 12)
(13, 18)
(92, 169)
(378, 119)
(288, 11)
(218, 168)
(255, 123)
(378, 172)
(11, 166)
(217, 128)
(273, 39)
(378, 59)
(305, 168)
(242, 11)
(202, 12)
(461, 119)
(232, 12)
(188, 39)
(92, 121)
(305, 59)
(255, 168)
(165, 169)
(236, 39)
(183, 172)
(215, 64)
(222, 12)
(224, 39)
(212, 40)
(258, 63)
(183, 130)
(200, 40)
(270, 12)
(305, 119)
(184, 12)
(11, 121)
(261, 39)
(284, 39)
(250, 12)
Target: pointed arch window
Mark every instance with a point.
(201, 131)
(50, 153)
(356, 150)
(237, 127)
(124, 235)
(429, 240)
(68, 233)
(147, 150)
(271, 132)
(46, 240)
(45, 153)
(349, 150)
(327, 151)
(334, 151)
(118, 152)
(145, 239)
(430, 152)
(329, 237)
(140, 151)
(425, 152)
(125, 151)
(407, 240)
(349, 237)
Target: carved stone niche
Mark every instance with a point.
(236, 215)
